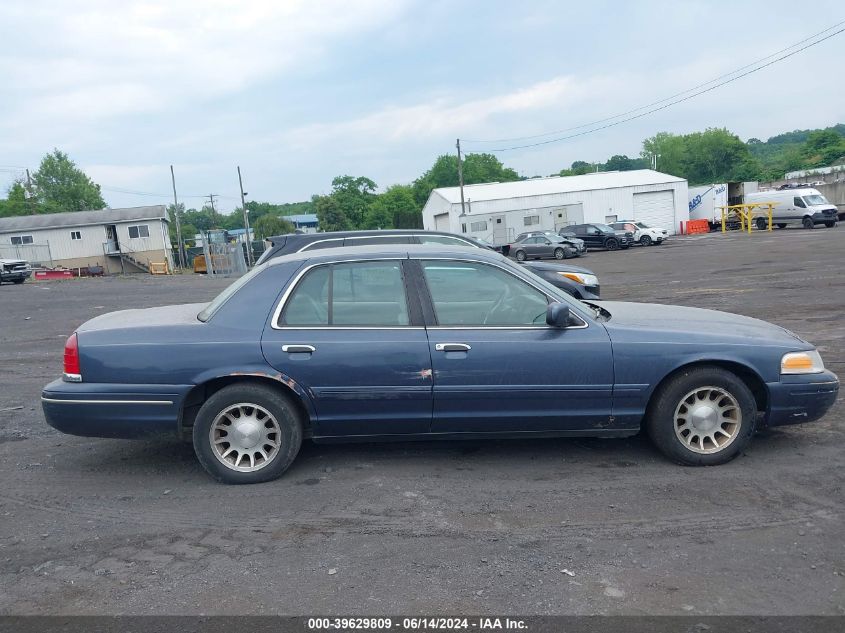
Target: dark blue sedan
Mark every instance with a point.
(422, 342)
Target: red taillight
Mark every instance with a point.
(72, 369)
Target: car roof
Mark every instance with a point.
(402, 251)
(303, 238)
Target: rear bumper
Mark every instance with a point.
(798, 399)
(113, 410)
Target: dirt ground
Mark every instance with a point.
(571, 526)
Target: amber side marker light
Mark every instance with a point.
(801, 363)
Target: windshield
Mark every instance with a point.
(223, 297)
(815, 200)
(604, 228)
(643, 225)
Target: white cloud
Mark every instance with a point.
(106, 58)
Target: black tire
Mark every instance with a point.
(273, 401)
(520, 256)
(781, 225)
(830, 225)
(645, 240)
(660, 418)
(560, 253)
(611, 244)
(762, 224)
(19, 281)
(808, 223)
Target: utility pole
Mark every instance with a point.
(181, 246)
(246, 220)
(461, 176)
(211, 198)
(29, 197)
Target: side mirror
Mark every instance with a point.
(557, 315)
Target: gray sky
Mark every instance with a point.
(297, 92)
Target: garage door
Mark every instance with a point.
(441, 222)
(656, 208)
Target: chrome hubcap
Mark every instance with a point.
(245, 437)
(707, 420)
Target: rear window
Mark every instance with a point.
(224, 296)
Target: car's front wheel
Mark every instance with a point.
(808, 223)
(830, 225)
(645, 240)
(612, 244)
(246, 434)
(560, 253)
(702, 416)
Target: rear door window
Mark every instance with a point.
(365, 294)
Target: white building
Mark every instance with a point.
(119, 240)
(499, 211)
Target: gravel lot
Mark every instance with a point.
(90, 526)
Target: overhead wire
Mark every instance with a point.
(733, 77)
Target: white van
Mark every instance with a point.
(793, 206)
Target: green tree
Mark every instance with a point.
(477, 168)
(823, 147)
(59, 185)
(395, 208)
(670, 150)
(269, 225)
(16, 202)
(714, 155)
(330, 215)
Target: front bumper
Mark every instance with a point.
(15, 275)
(801, 398)
(113, 410)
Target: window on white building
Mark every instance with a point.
(478, 226)
(21, 239)
(76, 235)
(142, 230)
(610, 219)
(530, 220)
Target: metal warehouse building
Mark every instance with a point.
(499, 211)
(119, 240)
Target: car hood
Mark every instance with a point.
(690, 323)
(12, 262)
(558, 268)
(145, 317)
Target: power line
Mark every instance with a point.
(653, 103)
(667, 105)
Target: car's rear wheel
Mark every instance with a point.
(559, 253)
(830, 225)
(247, 433)
(762, 224)
(520, 256)
(808, 223)
(645, 240)
(612, 244)
(702, 417)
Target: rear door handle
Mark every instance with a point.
(294, 349)
(451, 347)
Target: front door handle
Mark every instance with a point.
(299, 349)
(451, 347)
